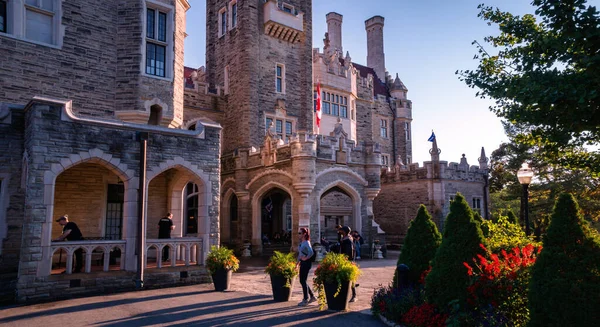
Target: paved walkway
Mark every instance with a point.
(248, 303)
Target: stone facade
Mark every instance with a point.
(233, 151)
(363, 108)
(74, 111)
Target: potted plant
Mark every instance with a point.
(332, 280)
(221, 263)
(283, 271)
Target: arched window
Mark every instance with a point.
(191, 217)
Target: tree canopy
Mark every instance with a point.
(544, 76)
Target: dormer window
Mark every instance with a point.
(288, 8)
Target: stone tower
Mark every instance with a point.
(267, 47)
(334, 28)
(403, 121)
(375, 55)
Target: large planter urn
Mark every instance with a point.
(281, 292)
(378, 253)
(318, 248)
(222, 279)
(339, 302)
(246, 253)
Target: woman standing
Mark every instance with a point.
(305, 253)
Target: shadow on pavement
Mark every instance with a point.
(259, 311)
(103, 305)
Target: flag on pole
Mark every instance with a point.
(318, 106)
(269, 207)
(432, 137)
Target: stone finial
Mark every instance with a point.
(347, 59)
(483, 160)
(463, 165)
(326, 42)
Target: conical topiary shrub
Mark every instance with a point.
(565, 283)
(420, 244)
(448, 279)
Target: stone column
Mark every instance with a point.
(304, 149)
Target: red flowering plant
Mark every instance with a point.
(424, 315)
(500, 282)
(393, 302)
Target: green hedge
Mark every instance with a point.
(448, 279)
(565, 285)
(420, 244)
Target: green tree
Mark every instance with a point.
(448, 279)
(420, 244)
(565, 283)
(545, 78)
(551, 180)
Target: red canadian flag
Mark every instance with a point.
(318, 106)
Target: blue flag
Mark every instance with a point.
(432, 137)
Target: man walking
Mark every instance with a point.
(347, 248)
(71, 232)
(165, 226)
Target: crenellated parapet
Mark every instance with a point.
(452, 171)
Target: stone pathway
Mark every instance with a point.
(249, 303)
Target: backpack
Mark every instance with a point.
(352, 253)
(313, 258)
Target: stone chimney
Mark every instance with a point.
(375, 55)
(334, 28)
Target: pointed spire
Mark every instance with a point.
(483, 160)
(398, 85)
(347, 59)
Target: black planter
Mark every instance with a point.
(340, 302)
(222, 279)
(281, 293)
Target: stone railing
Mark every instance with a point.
(101, 249)
(186, 249)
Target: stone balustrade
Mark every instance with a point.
(90, 247)
(186, 249)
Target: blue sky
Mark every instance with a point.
(425, 42)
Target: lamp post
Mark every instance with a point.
(525, 174)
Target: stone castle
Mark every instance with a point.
(100, 120)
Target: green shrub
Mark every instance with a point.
(565, 285)
(420, 244)
(505, 235)
(512, 217)
(448, 279)
(221, 258)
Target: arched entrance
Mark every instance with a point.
(339, 204)
(276, 216)
(93, 197)
(271, 217)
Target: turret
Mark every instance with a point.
(398, 89)
(483, 160)
(375, 54)
(334, 28)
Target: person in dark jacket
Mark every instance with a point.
(71, 232)
(347, 248)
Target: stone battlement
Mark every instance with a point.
(448, 171)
